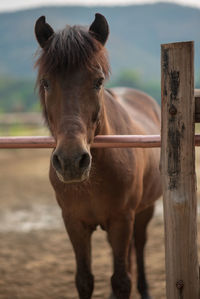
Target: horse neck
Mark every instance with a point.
(101, 157)
(104, 126)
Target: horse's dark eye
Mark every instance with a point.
(98, 83)
(45, 84)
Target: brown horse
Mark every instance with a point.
(113, 188)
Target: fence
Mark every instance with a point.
(180, 111)
(178, 170)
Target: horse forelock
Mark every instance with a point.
(70, 49)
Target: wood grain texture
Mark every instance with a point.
(178, 170)
(197, 105)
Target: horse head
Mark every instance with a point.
(72, 67)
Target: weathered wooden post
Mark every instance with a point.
(178, 170)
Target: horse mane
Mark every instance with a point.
(70, 49)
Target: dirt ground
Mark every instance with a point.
(36, 257)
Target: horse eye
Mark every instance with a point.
(98, 83)
(45, 84)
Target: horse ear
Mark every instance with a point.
(43, 31)
(100, 28)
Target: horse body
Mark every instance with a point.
(113, 188)
(145, 119)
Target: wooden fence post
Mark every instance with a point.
(178, 170)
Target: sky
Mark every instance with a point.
(12, 5)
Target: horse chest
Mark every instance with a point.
(91, 208)
(94, 202)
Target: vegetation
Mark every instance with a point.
(17, 95)
(131, 78)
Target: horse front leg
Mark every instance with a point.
(120, 232)
(80, 236)
(140, 236)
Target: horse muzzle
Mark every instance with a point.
(71, 168)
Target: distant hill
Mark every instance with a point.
(136, 33)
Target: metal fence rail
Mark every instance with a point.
(100, 141)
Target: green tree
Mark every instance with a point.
(132, 79)
(17, 95)
(127, 78)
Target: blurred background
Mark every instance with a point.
(36, 258)
(137, 29)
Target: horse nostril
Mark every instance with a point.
(56, 162)
(84, 161)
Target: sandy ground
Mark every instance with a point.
(36, 257)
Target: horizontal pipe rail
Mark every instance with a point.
(100, 141)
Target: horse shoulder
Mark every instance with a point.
(142, 108)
